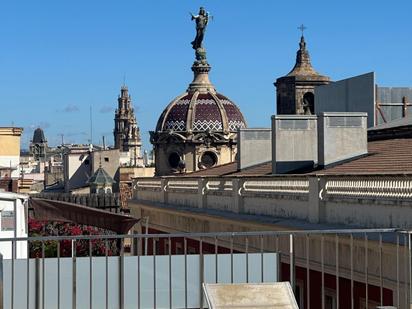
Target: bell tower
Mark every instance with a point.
(126, 132)
(295, 92)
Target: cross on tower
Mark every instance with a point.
(302, 28)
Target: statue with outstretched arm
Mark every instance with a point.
(201, 23)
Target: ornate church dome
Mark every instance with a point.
(38, 136)
(198, 129)
(196, 112)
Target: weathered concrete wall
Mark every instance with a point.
(254, 147)
(355, 94)
(341, 136)
(280, 206)
(221, 202)
(182, 198)
(294, 143)
(372, 213)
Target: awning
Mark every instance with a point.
(63, 211)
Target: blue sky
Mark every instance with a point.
(58, 58)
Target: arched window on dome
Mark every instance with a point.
(174, 159)
(208, 159)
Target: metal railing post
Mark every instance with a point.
(1, 282)
(292, 263)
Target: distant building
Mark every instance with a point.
(38, 145)
(126, 132)
(101, 182)
(80, 162)
(295, 92)
(10, 151)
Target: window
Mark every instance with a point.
(330, 299)
(208, 159)
(174, 160)
(179, 248)
(106, 159)
(7, 220)
(309, 103)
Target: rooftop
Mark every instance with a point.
(389, 156)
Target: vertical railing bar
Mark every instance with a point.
(366, 271)
(405, 245)
(121, 274)
(58, 274)
(170, 273)
(185, 252)
(261, 258)
(351, 272)
(247, 258)
(397, 272)
(201, 276)
(231, 259)
(216, 261)
(138, 244)
(154, 272)
(380, 270)
(74, 275)
(322, 265)
(307, 272)
(337, 270)
(292, 263)
(43, 292)
(90, 275)
(106, 253)
(409, 267)
(13, 257)
(28, 275)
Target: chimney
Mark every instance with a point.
(294, 143)
(254, 147)
(342, 136)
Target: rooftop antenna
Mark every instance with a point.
(91, 126)
(104, 144)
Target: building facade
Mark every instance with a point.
(10, 151)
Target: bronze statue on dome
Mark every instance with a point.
(201, 23)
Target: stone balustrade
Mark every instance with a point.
(107, 201)
(367, 201)
(374, 187)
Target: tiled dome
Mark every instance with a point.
(201, 112)
(38, 136)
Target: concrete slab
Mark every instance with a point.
(277, 295)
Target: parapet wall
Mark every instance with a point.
(361, 201)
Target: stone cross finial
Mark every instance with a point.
(302, 28)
